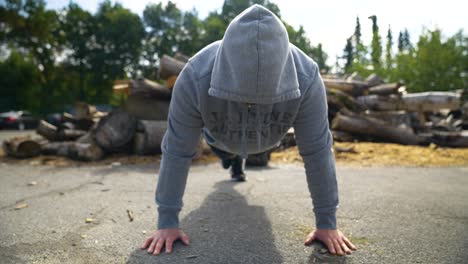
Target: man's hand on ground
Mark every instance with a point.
(336, 242)
(165, 237)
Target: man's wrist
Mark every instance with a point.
(168, 218)
(325, 221)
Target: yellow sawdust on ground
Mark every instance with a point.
(113, 159)
(368, 154)
(385, 154)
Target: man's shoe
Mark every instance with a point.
(240, 177)
(226, 163)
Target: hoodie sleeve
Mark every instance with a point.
(314, 141)
(179, 146)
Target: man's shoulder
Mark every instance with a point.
(202, 62)
(306, 67)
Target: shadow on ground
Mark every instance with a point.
(224, 229)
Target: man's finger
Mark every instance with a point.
(337, 246)
(350, 245)
(147, 242)
(310, 238)
(159, 246)
(330, 246)
(152, 246)
(169, 243)
(185, 239)
(345, 248)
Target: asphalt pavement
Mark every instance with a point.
(393, 215)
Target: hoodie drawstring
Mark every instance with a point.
(244, 125)
(258, 129)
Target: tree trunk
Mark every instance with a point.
(47, 130)
(419, 102)
(149, 137)
(169, 67)
(451, 139)
(393, 118)
(115, 131)
(431, 101)
(354, 88)
(81, 124)
(374, 80)
(181, 57)
(22, 147)
(74, 150)
(147, 108)
(363, 126)
(341, 99)
(342, 136)
(385, 89)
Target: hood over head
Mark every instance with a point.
(254, 63)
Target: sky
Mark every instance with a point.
(331, 22)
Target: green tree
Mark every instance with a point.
(360, 49)
(321, 58)
(376, 46)
(404, 42)
(348, 56)
(438, 64)
(34, 32)
(388, 51)
(79, 26)
(20, 83)
(116, 52)
(192, 30)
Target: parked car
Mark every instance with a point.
(18, 119)
(54, 118)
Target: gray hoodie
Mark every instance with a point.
(243, 93)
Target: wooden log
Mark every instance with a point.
(382, 103)
(363, 126)
(342, 136)
(354, 77)
(83, 110)
(385, 89)
(147, 108)
(56, 148)
(47, 130)
(350, 149)
(86, 152)
(342, 100)
(22, 147)
(450, 139)
(181, 57)
(80, 123)
(149, 137)
(431, 101)
(149, 88)
(70, 134)
(53, 133)
(393, 118)
(373, 80)
(169, 66)
(74, 150)
(115, 131)
(354, 88)
(419, 102)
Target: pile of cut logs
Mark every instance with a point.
(359, 110)
(371, 110)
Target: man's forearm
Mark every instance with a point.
(170, 189)
(321, 180)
